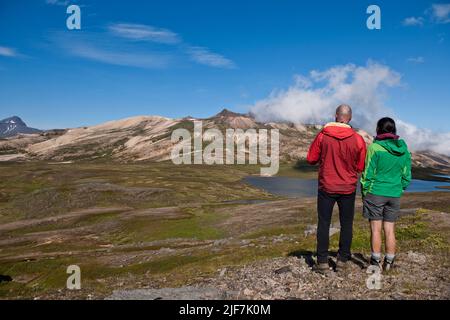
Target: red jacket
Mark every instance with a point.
(341, 153)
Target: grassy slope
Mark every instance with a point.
(116, 249)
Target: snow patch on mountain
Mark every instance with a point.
(14, 125)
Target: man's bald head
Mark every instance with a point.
(343, 113)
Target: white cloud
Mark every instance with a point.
(437, 13)
(416, 60)
(204, 56)
(144, 33)
(314, 98)
(8, 52)
(58, 2)
(424, 139)
(413, 21)
(440, 13)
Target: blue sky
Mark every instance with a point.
(178, 58)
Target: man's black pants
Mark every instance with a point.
(325, 205)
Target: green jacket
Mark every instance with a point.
(388, 168)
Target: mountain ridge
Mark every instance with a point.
(142, 138)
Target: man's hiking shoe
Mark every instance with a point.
(388, 265)
(341, 266)
(322, 268)
(375, 262)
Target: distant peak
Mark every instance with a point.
(225, 113)
(13, 120)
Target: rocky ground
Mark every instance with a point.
(415, 276)
(292, 278)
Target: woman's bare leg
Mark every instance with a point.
(389, 233)
(375, 239)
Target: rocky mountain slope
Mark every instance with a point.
(149, 138)
(14, 125)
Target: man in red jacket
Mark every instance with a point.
(340, 153)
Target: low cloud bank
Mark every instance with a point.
(313, 99)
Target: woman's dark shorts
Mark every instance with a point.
(381, 208)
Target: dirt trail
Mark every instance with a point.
(126, 213)
(74, 214)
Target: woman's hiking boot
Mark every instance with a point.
(388, 264)
(377, 263)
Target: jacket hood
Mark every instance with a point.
(385, 136)
(337, 130)
(393, 146)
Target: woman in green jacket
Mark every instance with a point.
(387, 174)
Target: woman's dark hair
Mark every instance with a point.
(386, 125)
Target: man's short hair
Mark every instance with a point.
(344, 111)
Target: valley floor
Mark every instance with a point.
(141, 230)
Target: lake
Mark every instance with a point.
(296, 187)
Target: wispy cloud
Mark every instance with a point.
(141, 32)
(8, 52)
(140, 60)
(144, 33)
(137, 45)
(204, 56)
(416, 60)
(97, 47)
(58, 2)
(413, 21)
(440, 13)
